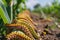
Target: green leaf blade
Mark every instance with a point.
(4, 16)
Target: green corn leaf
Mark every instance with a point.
(4, 2)
(4, 16)
(3, 13)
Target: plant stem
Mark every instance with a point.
(11, 10)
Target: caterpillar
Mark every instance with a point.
(19, 34)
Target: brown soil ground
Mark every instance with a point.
(43, 24)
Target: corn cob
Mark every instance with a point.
(21, 27)
(26, 16)
(29, 22)
(18, 34)
(26, 22)
(29, 27)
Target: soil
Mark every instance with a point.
(44, 30)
